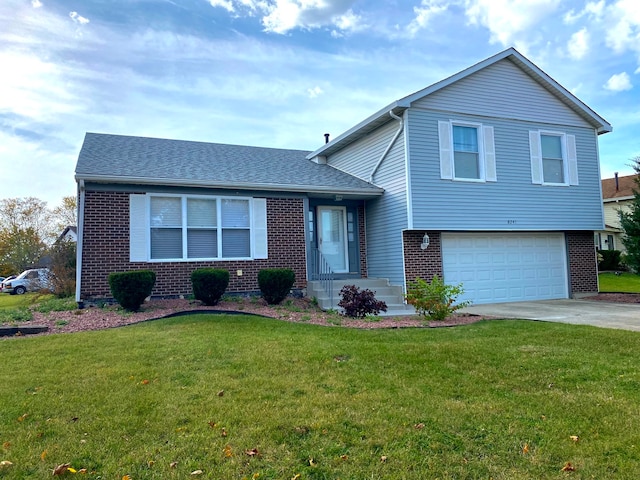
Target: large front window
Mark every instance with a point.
(200, 228)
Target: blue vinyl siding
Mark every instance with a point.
(386, 216)
(502, 90)
(511, 203)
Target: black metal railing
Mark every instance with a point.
(321, 272)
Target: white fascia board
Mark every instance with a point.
(375, 191)
(617, 199)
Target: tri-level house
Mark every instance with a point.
(489, 178)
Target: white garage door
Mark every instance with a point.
(506, 267)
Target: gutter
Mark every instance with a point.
(79, 241)
(393, 140)
(272, 187)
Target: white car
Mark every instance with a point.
(28, 281)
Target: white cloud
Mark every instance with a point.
(36, 3)
(619, 82)
(578, 45)
(226, 4)
(78, 18)
(315, 92)
(424, 13)
(507, 18)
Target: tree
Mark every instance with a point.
(66, 214)
(630, 223)
(25, 226)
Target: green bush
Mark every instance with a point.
(131, 288)
(610, 260)
(435, 300)
(209, 284)
(275, 284)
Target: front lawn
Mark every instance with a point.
(237, 397)
(625, 282)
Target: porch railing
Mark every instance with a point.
(321, 271)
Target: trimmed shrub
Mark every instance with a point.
(209, 284)
(358, 303)
(610, 260)
(131, 288)
(275, 284)
(435, 300)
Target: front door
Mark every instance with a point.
(332, 239)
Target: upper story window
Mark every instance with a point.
(199, 228)
(467, 151)
(553, 158)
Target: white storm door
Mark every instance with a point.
(332, 239)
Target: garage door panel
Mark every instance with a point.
(506, 267)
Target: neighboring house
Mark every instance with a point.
(617, 195)
(489, 177)
(69, 234)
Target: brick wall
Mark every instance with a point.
(362, 239)
(583, 267)
(106, 249)
(420, 263)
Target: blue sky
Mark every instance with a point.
(279, 73)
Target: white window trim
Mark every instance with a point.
(486, 153)
(219, 199)
(569, 160)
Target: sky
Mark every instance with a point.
(279, 73)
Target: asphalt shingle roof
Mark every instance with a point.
(625, 187)
(106, 157)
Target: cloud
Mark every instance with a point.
(424, 13)
(36, 3)
(505, 19)
(619, 82)
(578, 45)
(78, 18)
(315, 92)
(226, 4)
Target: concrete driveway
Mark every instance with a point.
(580, 312)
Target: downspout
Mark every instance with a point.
(393, 140)
(79, 242)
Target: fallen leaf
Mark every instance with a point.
(6, 444)
(197, 472)
(43, 455)
(255, 476)
(5, 464)
(82, 470)
(568, 467)
(145, 382)
(383, 458)
(575, 438)
(296, 476)
(419, 426)
(312, 462)
(173, 464)
(525, 449)
(224, 432)
(150, 463)
(126, 477)
(221, 393)
(71, 470)
(61, 469)
(22, 417)
(228, 452)
(212, 424)
(344, 457)
(253, 452)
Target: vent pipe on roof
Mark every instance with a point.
(326, 138)
(617, 184)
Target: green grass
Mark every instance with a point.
(322, 402)
(627, 282)
(19, 308)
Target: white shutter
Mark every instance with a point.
(138, 228)
(572, 160)
(446, 150)
(536, 157)
(259, 228)
(489, 155)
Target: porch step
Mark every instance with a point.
(392, 295)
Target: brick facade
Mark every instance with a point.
(106, 249)
(420, 263)
(583, 266)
